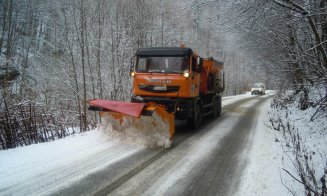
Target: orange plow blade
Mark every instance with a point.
(136, 123)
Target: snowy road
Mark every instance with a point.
(207, 161)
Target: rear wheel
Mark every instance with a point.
(215, 108)
(219, 106)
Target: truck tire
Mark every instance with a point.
(219, 106)
(215, 106)
(196, 119)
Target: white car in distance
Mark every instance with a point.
(258, 89)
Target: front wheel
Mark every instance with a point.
(196, 118)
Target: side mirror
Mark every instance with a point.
(200, 64)
(197, 64)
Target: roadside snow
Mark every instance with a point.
(272, 154)
(79, 146)
(262, 175)
(304, 142)
(313, 134)
(26, 170)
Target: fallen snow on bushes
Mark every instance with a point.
(310, 144)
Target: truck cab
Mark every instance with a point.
(166, 72)
(179, 79)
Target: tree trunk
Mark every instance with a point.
(82, 46)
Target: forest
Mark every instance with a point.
(61, 54)
(57, 55)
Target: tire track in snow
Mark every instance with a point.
(121, 180)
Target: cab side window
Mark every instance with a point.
(194, 64)
(141, 66)
(197, 64)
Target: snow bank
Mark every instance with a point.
(35, 169)
(263, 172)
(303, 141)
(45, 153)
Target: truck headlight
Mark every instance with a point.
(133, 74)
(186, 74)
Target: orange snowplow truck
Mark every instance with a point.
(188, 85)
(169, 83)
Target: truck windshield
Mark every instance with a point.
(162, 64)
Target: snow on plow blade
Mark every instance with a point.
(146, 124)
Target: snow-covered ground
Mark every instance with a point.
(41, 165)
(263, 173)
(92, 151)
(304, 142)
(272, 158)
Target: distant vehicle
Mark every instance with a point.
(258, 89)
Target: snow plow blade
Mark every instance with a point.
(146, 124)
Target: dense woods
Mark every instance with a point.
(291, 37)
(56, 55)
(63, 53)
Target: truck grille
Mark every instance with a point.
(155, 88)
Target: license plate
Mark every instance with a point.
(160, 88)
